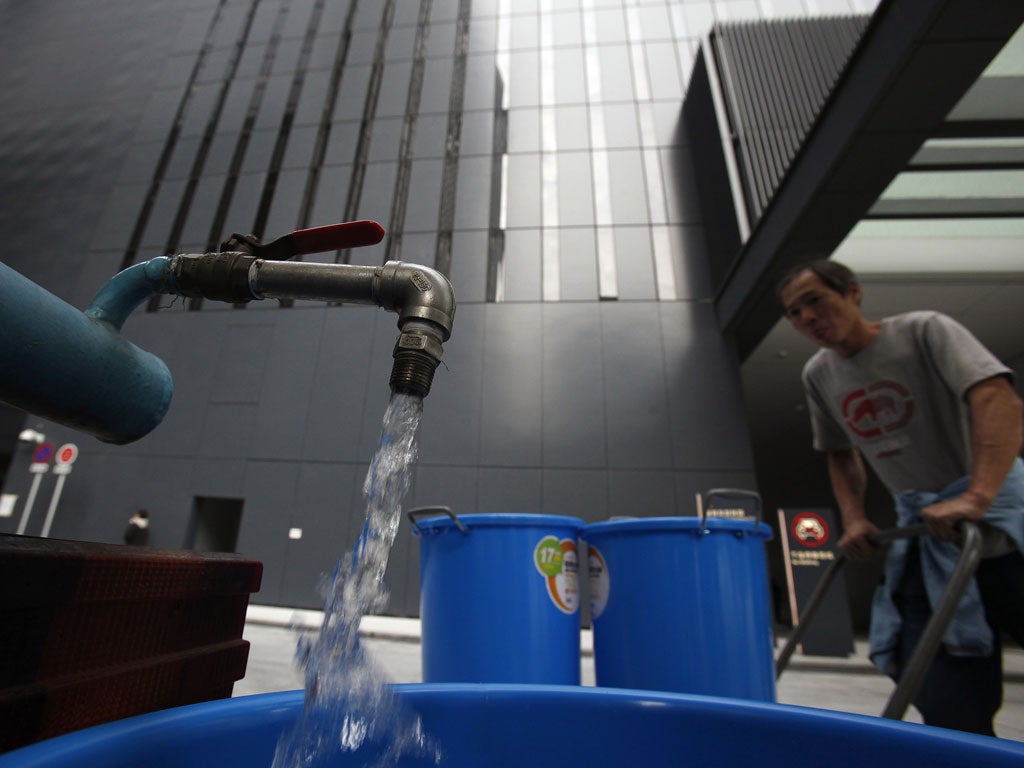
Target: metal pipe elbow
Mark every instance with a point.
(416, 292)
(425, 303)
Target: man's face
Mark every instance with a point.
(819, 312)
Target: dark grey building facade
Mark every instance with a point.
(534, 152)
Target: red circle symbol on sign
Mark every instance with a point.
(43, 454)
(67, 453)
(810, 529)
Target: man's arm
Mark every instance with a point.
(849, 480)
(995, 444)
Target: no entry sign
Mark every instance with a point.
(67, 453)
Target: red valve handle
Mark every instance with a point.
(336, 237)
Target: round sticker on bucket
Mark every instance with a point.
(599, 581)
(558, 562)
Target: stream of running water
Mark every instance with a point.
(347, 703)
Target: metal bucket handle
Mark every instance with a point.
(734, 493)
(424, 511)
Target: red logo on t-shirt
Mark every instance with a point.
(883, 407)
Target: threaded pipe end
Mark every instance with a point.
(412, 372)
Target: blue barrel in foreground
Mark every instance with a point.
(499, 598)
(681, 605)
(538, 726)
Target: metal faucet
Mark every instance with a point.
(76, 369)
(422, 297)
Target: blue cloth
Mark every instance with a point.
(968, 633)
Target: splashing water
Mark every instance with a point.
(347, 703)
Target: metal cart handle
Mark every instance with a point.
(424, 511)
(914, 674)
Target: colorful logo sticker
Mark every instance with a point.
(809, 529)
(599, 581)
(558, 563)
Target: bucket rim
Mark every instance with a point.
(676, 524)
(441, 523)
(273, 710)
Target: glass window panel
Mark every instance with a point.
(635, 263)
(242, 211)
(616, 73)
(444, 10)
(483, 34)
(469, 266)
(575, 189)
(378, 189)
(259, 151)
(311, 100)
(361, 47)
(567, 29)
(523, 130)
(477, 136)
(524, 79)
(620, 126)
(424, 195)
(473, 193)
(628, 191)
(699, 18)
(201, 213)
(341, 143)
(325, 50)
(352, 93)
(275, 98)
(663, 70)
(401, 43)
(331, 193)
(579, 264)
(441, 40)
(573, 130)
(419, 248)
(570, 83)
(182, 158)
(286, 57)
(284, 210)
(520, 267)
(429, 140)
(387, 135)
(523, 191)
(159, 227)
(610, 25)
(655, 22)
(481, 77)
(394, 89)
(299, 152)
(525, 33)
(437, 86)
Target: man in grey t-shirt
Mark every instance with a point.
(936, 416)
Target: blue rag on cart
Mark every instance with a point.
(968, 633)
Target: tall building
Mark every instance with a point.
(535, 152)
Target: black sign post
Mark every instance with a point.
(809, 547)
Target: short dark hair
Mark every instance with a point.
(839, 277)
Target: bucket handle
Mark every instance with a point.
(423, 511)
(736, 493)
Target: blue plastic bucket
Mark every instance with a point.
(680, 606)
(499, 598)
(538, 726)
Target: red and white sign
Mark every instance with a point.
(67, 454)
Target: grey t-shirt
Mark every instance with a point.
(900, 401)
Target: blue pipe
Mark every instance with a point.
(74, 368)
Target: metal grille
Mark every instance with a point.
(777, 77)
